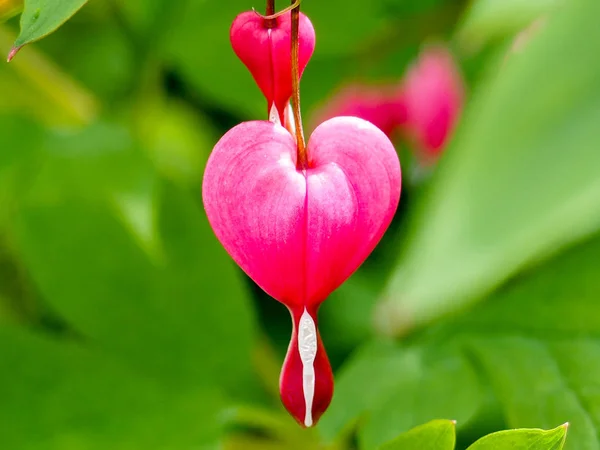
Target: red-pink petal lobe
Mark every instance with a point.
(306, 381)
(266, 52)
(299, 235)
(353, 187)
(255, 201)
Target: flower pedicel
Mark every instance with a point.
(300, 219)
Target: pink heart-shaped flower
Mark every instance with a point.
(299, 234)
(264, 46)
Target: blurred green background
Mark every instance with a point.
(125, 325)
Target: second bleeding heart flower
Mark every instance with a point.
(264, 46)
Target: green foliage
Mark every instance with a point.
(523, 440)
(42, 17)
(519, 181)
(125, 325)
(537, 363)
(435, 435)
(440, 435)
(58, 395)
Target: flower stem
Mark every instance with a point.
(302, 162)
(275, 15)
(270, 7)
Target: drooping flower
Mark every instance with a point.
(264, 46)
(433, 95)
(299, 233)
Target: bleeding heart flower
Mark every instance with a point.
(433, 94)
(383, 106)
(300, 233)
(264, 46)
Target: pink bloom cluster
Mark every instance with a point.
(424, 106)
(298, 228)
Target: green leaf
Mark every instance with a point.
(540, 382)
(394, 389)
(523, 440)
(542, 361)
(56, 395)
(435, 435)
(42, 17)
(536, 342)
(490, 19)
(532, 346)
(444, 384)
(132, 264)
(519, 182)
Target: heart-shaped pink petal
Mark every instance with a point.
(299, 234)
(265, 49)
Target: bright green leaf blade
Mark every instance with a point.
(42, 17)
(56, 395)
(435, 435)
(520, 181)
(523, 440)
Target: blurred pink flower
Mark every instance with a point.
(383, 106)
(425, 105)
(433, 94)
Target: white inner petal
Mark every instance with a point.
(274, 115)
(307, 346)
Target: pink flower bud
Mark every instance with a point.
(300, 233)
(264, 46)
(433, 94)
